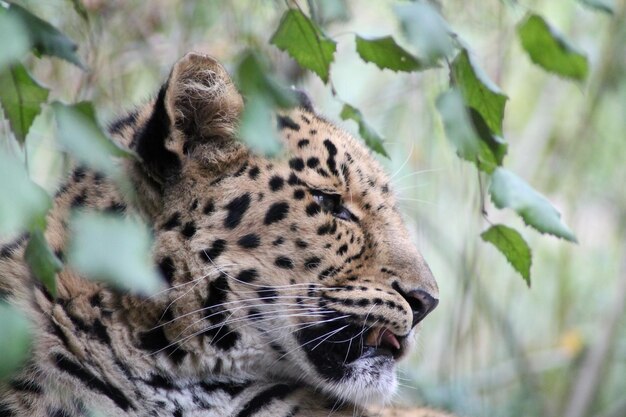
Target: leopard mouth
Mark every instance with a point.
(334, 348)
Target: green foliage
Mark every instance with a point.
(80, 135)
(305, 42)
(606, 6)
(12, 28)
(21, 98)
(115, 250)
(387, 54)
(508, 190)
(550, 50)
(24, 204)
(371, 137)
(43, 262)
(45, 38)
(513, 246)
(16, 339)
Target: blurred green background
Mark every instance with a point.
(494, 347)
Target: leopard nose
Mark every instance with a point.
(422, 303)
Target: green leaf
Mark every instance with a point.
(304, 41)
(508, 190)
(426, 30)
(21, 98)
(606, 6)
(513, 246)
(386, 53)
(115, 250)
(469, 134)
(550, 50)
(45, 38)
(478, 91)
(257, 127)
(79, 134)
(16, 340)
(252, 78)
(43, 262)
(372, 139)
(23, 204)
(79, 7)
(12, 28)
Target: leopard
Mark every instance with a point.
(291, 283)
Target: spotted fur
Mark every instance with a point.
(277, 272)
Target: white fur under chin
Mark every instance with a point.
(372, 381)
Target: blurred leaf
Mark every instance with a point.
(21, 98)
(304, 41)
(23, 204)
(45, 38)
(257, 126)
(372, 139)
(469, 134)
(78, 132)
(115, 250)
(550, 50)
(252, 78)
(42, 260)
(606, 6)
(508, 190)
(426, 29)
(12, 28)
(79, 7)
(329, 11)
(513, 246)
(478, 91)
(386, 53)
(16, 339)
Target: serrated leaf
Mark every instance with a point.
(16, 340)
(508, 190)
(478, 91)
(369, 135)
(115, 250)
(606, 6)
(21, 98)
(257, 128)
(301, 38)
(79, 134)
(23, 204)
(550, 50)
(12, 28)
(426, 30)
(387, 54)
(513, 246)
(42, 261)
(45, 38)
(469, 134)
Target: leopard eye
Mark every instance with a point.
(331, 203)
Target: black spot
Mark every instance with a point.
(5, 411)
(328, 273)
(267, 294)
(284, 262)
(303, 143)
(294, 180)
(79, 200)
(95, 300)
(58, 412)
(332, 152)
(363, 302)
(236, 209)
(79, 174)
(323, 172)
(248, 275)
(276, 392)
(26, 386)
(276, 213)
(129, 120)
(241, 170)
(210, 254)
(298, 194)
(249, 241)
(172, 222)
(158, 381)
(276, 183)
(279, 241)
(194, 204)
(209, 207)
(115, 207)
(189, 229)
(313, 208)
(297, 164)
(178, 412)
(8, 249)
(155, 341)
(167, 268)
(301, 244)
(385, 188)
(324, 229)
(312, 162)
(91, 381)
(286, 122)
(312, 263)
(254, 172)
(343, 249)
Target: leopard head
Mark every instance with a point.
(302, 263)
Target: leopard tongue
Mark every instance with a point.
(382, 337)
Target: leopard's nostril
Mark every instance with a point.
(422, 303)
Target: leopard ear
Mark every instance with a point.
(194, 116)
